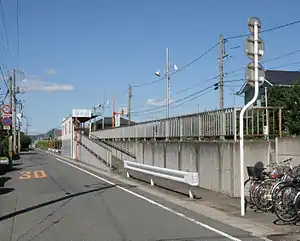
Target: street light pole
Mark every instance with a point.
(167, 76)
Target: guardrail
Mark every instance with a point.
(190, 178)
(204, 125)
(54, 151)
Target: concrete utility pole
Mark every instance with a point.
(19, 128)
(221, 73)
(103, 109)
(15, 113)
(10, 142)
(167, 75)
(129, 104)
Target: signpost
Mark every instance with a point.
(254, 49)
(6, 113)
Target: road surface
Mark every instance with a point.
(46, 199)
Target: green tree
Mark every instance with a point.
(25, 141)
(289, 99)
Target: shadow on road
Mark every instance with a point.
(5, 190)
(3, 180)
(41, 205)
(28, 153)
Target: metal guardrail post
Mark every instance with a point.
(234, 127)
(200, 127)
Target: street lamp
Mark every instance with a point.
(167, 78)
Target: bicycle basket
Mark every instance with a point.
(255, 172)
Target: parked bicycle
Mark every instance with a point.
(287, 200)
(264, 183)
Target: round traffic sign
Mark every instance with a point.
(251, 22)
(6, 121)
(250, 77)
(249, 47)
(6, 109)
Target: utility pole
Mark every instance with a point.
(103, 109)
(221, 73)
(19, 128)
(129, 105)
(167, 76)
(113, 112)
(10, 142)
(15, 113)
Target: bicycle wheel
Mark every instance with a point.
(297, 205)
(247, 188)
(250, 186)
(276, 188)
(262, 196)
(284, 203)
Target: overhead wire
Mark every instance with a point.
(181, 69)
(4, 25)
(214, 46)
(217, 76)
(266, 30)
(214, 86)
(18, 32)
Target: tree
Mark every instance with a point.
(25, 141)
(289, 99)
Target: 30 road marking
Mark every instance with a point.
(32, 174)
(226, 235)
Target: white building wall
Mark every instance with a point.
(67, 136)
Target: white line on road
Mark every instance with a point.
(226, 235)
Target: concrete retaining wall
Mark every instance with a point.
(86, 156)
(289, 147)
(217, 162)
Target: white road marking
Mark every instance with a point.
(226, 235)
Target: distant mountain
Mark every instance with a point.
(53, 133)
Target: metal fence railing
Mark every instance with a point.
(206, 125)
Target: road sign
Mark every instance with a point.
(6, 121)
(249, 47)
(6, 127)
(250, 78)
(6, 109)
(251, 23)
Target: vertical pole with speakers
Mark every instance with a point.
(255, 76)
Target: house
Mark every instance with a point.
(273, 78)
(108, 123)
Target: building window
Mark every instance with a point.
(69, 126)
(66, 129)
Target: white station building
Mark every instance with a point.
(69, 127)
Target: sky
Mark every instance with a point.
(72, 51)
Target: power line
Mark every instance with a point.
(215, 86)
(181, 69)
(266, 61)
(195, 60)
(214, 46)
(4, 25)
(18, 32)
(266, 30)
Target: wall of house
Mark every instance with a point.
(67, 137)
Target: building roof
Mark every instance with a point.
(276, 77)
(108, 121)
(281, 77)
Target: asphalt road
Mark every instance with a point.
(45, 199)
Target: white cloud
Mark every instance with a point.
(38, 85)
(51, 71)
(157, 102)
